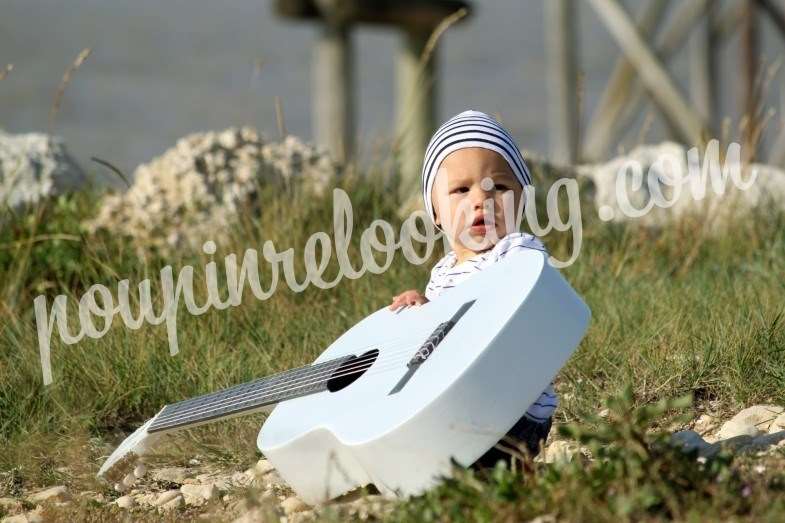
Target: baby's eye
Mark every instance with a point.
(459, 189)
(502, 187)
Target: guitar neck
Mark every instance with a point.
(247, 398)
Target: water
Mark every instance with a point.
(160, 70)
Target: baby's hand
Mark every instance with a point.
(410, 297)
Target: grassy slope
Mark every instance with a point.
(674, 312)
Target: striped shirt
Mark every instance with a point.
(446, 274)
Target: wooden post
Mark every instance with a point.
(751, 54)
(604, 122)
(655, 78)
(703, 69)
(417, 92)
(560, 36)
(776, 14)
(333, 90)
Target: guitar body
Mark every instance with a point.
(522, 323)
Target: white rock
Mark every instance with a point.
(293, 504)
(665, 174)
(734, 428)
(750, 421)
(140, 470)
(262, 467)
(198, 494)
(778, 424)
(560, 452)
(222, 483)
(241, 479)
(35, 166)
(125, 502)
(195, 189)
(9, 503)
(129, 480)
(59, 493)
(705, 423)
(172, 504)
(166, 497)
(29, 517)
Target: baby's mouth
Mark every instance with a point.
(481, 221)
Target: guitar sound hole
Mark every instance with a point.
(350, 370)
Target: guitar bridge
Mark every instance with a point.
(430, 344)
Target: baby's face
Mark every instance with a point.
(472, 189)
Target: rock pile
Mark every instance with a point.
(756, 429)
(260, 494)
(662, 172)
(197, 187)
(34, 167)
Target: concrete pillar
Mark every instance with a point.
(417, 92)
(333, 91)
(560, 36)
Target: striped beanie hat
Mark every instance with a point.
(469, 129)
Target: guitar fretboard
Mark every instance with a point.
(247, 397)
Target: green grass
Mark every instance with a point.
(675, 313)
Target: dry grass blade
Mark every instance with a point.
(282, 132)
(83, 54)
(7, 69)
(425, 57)
(112, 168)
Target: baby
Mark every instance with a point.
(473, 177)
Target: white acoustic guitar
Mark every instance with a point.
(398, 396)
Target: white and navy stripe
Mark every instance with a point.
(469, 129)
(446, 275)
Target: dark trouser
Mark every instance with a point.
(527, 431)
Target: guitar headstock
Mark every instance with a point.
(125, 464)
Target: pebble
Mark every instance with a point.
(30, 517)
(198, 494)
(778, 424)
(705, 423)
(560, 452)
(240, 479)
(129, 480)
(125, 502)
(140, 470)
(751, 421)
(263, 467)
(9, 503)
(52, 494)
(166, 497)
(172, 504)
(293, 504)
(734, 428)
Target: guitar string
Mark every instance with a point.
(296, 383)
(282, 388)
(298, 379)
(198, 416)
(223, 402)
(384, 345)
